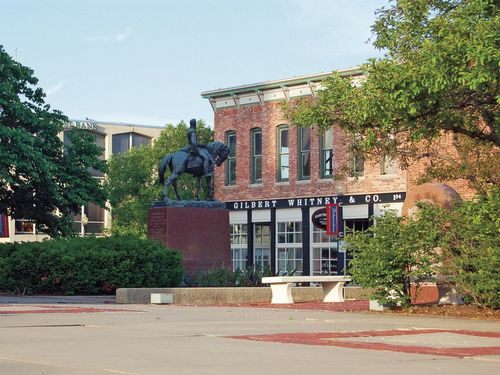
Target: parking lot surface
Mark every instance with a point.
(53, 337)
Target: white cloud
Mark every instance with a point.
(117, 37)
(53, 89)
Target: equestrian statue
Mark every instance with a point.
(197, 160)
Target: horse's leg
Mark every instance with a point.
(171, 179)
(165, 191)
(174, 184)
(198, 184)
(210, 190)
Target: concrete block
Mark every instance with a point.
(376, 306)
(162, 298)
(448, 295)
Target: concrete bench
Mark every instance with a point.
(281, 287)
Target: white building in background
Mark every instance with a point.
(113, 138)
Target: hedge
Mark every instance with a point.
(87, 265)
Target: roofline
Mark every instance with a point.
(117, 123)
(277, 83)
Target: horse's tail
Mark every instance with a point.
(163, 167)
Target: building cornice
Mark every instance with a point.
(277, 84)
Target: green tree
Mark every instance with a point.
(439, 76)
(470, 251)
(461, 244)
(40, 179)
(395, 254)
(133, 183)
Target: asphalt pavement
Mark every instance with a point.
(48, 337)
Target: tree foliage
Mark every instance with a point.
(393, 255)
(439, 75)
(470, 249)
(40, 179)
(133, 183)
(458, 245)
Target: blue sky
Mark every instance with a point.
(147, 61)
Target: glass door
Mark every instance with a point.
(262, 245)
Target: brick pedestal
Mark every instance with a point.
(200, 234)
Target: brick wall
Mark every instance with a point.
(444, 146)
(268, 116)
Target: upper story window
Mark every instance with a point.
(125, 141)
(356, 165)
(256, 167)
(356, 161)
(283, 154)
(231, 160)
(326, 153)
(388, 165)
(304, 153)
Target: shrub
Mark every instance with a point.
(222, 277)
(391, 256)
(87, 265)
(461, 244)
(471, 249)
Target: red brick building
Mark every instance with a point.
(279, 175)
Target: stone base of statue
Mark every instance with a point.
(199, 230)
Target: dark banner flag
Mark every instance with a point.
(332, 219)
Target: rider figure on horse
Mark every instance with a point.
(196, 149)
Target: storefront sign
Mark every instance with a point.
(84, 125)
(332, 222)
(319, 218)
(341, 200)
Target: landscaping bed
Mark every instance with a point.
(455, 311)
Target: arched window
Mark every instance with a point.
(231, 160)
(256, 156)
(283, 154)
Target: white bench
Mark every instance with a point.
(281, 287)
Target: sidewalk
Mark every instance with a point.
(6, 299)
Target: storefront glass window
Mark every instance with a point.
(239, 241)
(262, 246)
(289, 248)
(351, 226)
(324, 253)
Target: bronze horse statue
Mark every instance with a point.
(183, 161)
